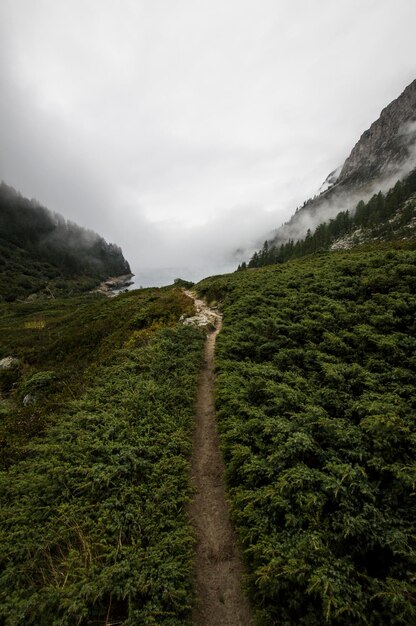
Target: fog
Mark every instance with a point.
(185, 132)
(328, 204)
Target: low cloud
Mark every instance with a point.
(185, 132)
(173, 250)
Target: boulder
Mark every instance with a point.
(8, 363)
(10, 372)
(202, 320)
(28, 400)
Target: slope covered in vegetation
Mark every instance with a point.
(94, 478)
(386, 217)
(41, 250)
(316, 402)
(315, 399)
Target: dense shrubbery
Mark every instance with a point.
(93, 494)
(316, 404)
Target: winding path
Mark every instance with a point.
(219, 569)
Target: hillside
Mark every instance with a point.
(41, 252)
(315, 394)
(315, 400)
(389, 217)
(315, 397)
(95, 436)
(384, 153)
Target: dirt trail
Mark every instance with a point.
(219, 569)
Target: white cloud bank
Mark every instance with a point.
(186, 130)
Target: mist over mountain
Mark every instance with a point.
(389, 217)
(384, 153)
(39, 249)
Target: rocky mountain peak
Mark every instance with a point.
(384, 153)
(387, 145)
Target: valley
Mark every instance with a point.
(235, 452)
(314, 397)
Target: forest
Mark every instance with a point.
(316, 400)
(41, 250)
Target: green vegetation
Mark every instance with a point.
(316, 402)
(383, 217)
(180, 282)
(95, 468)
(315, 397)
(42, 252)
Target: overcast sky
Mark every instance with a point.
(184, 130)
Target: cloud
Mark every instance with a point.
(184, 131)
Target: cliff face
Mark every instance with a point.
(385, 147)
(384, 153)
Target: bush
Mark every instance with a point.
(316, 400)
(93, 510)
(41, 382)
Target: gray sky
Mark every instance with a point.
(186, 129)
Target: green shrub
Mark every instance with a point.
(40, 382)
(316, 401)
(93, 527)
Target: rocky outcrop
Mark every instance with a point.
(205, 317)
(29, 400)
(330, 180)
(115, 284)
(387, 145)
(10, 372)
(384, 153)
(9, 362)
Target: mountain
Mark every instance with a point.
(387, 147)
(389, 217)
(40, 251)
(384, 153)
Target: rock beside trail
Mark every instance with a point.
(205, 316)
(9, 362)
(202, 320)
(29, 399)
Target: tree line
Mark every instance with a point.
(377, 215)
(47, 236)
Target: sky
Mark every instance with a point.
(186, 130)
